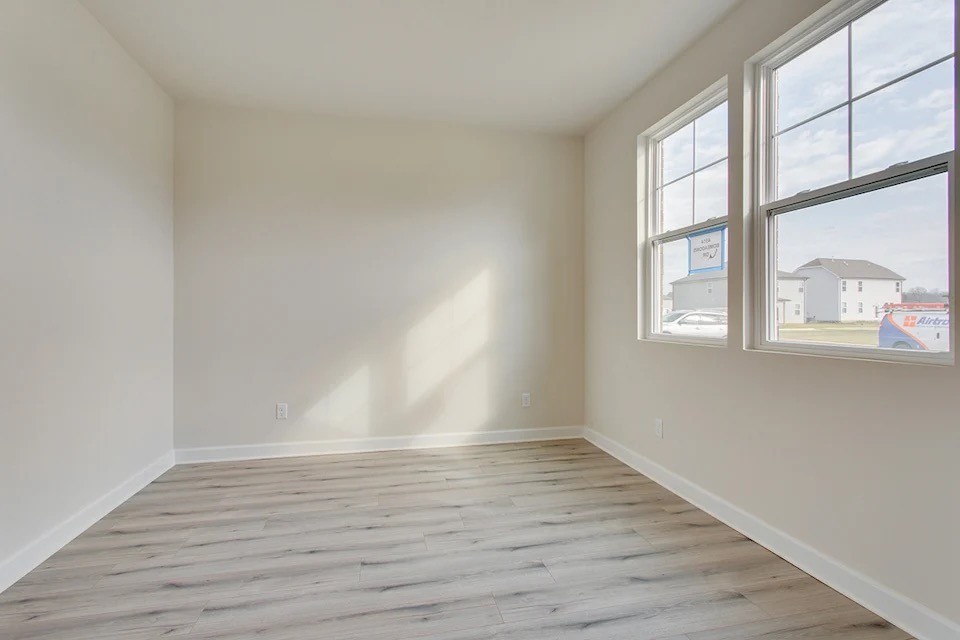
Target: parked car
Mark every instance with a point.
(709, 324)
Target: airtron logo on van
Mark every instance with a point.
(925, 321)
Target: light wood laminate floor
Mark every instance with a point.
(551, 540)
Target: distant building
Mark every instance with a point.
(840, 290)
(822, 290)
(700, 291)
(709, 291)
(791, 298)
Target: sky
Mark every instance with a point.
(903, 228)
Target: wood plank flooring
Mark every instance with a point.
(534, 541)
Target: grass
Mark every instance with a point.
(855, 333)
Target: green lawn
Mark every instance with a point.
(859, 333)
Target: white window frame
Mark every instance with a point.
(647, 156)
(768, 206)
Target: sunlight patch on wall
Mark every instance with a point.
(347, 406)
(467, 405)
(448, 337)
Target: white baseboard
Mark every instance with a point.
(31, 556)
(358, 445)
(909, 615)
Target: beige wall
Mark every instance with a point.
(857, 459)
(86, 268)
(382, 278)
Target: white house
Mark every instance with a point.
(709, 291)
(841, 290)
(791, 298)
(701, 291)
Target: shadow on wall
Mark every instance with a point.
(444, 376)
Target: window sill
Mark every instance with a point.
(667, 338)
(887, 356)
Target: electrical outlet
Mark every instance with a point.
(525, 399)
(282, 411)
(658, 427)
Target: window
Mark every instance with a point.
(685, 210)
(796, 309)
(855, 123)
(800, 288)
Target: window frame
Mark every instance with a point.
(647, 212)
(766, 205)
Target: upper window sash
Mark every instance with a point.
(699, 106)
(818, 32)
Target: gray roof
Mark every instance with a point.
(854, 269)
(786, 275)
(721, 274)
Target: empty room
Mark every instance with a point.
(479, 320)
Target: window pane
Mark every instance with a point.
(683, 294)
(711, 192)
(676, 204)
(672, 257)
(711, 136)
(910, 120)
(677, 154)
(893, 239)
(812, 82)
(897, 37)
(813, 155)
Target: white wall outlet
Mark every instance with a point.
(658, 427)
(525, 399)
(282, 411)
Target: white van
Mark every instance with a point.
(917, 330)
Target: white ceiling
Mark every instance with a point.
(554, 65)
